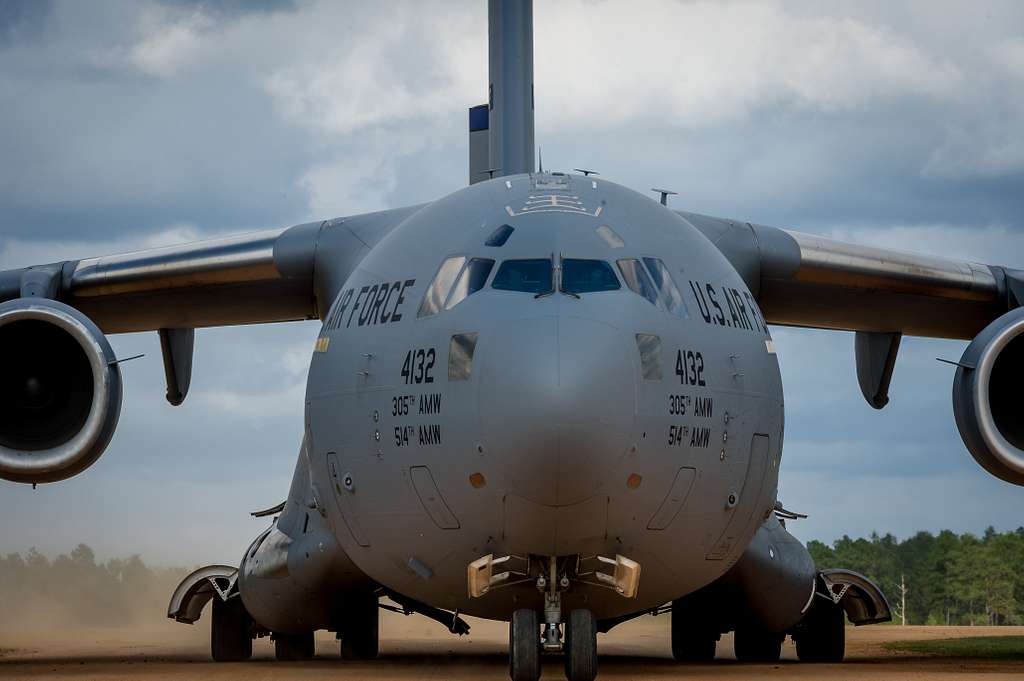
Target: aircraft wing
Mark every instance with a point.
(806, 280)
(269, 276)
(234, 280)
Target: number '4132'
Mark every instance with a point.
(690, 367)
(419, 365)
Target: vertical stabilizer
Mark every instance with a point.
(510, 54)
(479, 144)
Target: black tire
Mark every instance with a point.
(524, 646)
(822, 636)
(360, 639)
(581, 646)
(230, 631)
(692, 645)
(755, 645)
(293, 647)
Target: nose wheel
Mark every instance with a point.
(581, 646)
(524, 646)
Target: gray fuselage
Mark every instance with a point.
(551, 436)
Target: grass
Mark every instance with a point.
(980, 647)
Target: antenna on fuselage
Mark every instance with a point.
(665, 193)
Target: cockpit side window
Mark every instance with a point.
(588, 276)
(668, 293)
(474, 276)
(530, 276)
(437, 292)
(637, 279)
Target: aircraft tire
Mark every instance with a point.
(524, 646)
(360, 639)
(755, 645)
(822, 638)
(294, 647)
(581, 646)
(692, 645)
(230, 637)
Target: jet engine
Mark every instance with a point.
(60, 391)
(987, 397)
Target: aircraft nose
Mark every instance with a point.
(558, 401)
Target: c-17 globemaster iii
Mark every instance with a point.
(544, 398)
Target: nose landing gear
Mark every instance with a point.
(579, 645)
(526, 642)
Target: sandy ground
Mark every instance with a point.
(415, 648)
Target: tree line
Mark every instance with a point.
(949, 578)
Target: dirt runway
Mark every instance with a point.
(414, 648)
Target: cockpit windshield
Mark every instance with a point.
(637, 279)
(455, 281)
(588, 276)
(474, 276)
(653, 281)
(669, 296)
(530, 276)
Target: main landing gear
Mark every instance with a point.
(756, 645)
(822, 636)
(359, 631)
(692, 643)
(294, 647)
(230, 631)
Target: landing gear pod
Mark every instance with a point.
(987, 397)
(60, 391)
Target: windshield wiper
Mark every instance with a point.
(555, 281)
(558, 271)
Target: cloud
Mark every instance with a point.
(679, 71)
(172, 44)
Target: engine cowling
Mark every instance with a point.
(60, 391)
(987, 397)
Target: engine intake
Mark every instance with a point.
(60, 391)
(987, 397)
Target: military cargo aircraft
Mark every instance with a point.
(545, 399)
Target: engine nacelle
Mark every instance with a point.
(60, 391)
(987, 397)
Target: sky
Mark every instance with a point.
(140, 123)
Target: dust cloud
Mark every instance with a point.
(74, 594)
